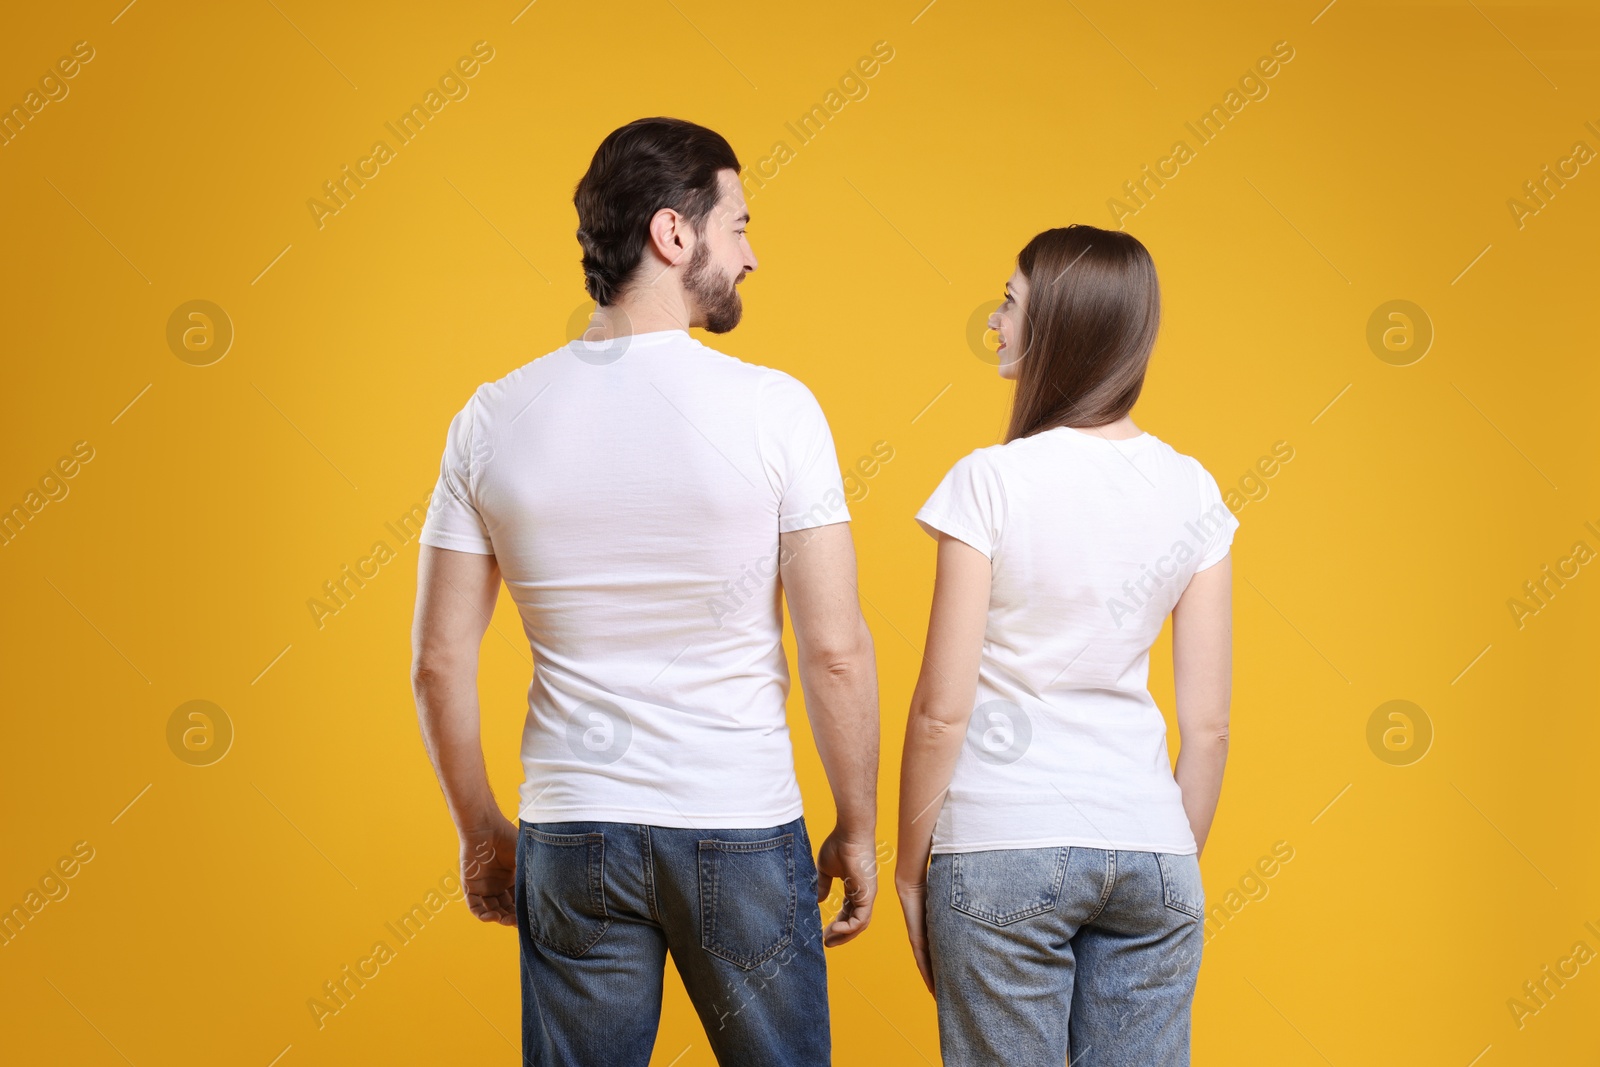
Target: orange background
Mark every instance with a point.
(1376, 565)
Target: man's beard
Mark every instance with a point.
(719, 300)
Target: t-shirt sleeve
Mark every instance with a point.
(969, 505)
(797, 450)
(1216, 523)
(453, 519)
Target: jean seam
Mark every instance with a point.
(794, 897)
(745, 846)
(707, 907)
(649, 872)
(1105, 891)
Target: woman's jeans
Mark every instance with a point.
(599, 906)
(1043, 956)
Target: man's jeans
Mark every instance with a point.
(1042, 952)
(599, 906)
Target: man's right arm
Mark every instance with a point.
(456, 593)
(839, 677)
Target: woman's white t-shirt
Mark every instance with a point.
(1092, 541)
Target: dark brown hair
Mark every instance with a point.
(639, 169)
(1089, 322)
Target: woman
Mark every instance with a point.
(1061, 912)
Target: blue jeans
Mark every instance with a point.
(600, 905)
(1041, 954)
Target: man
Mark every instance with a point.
(645, 499)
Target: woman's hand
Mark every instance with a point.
(914, 901)
(941, 710)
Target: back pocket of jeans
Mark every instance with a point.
(1181, 887)
(747, 899)
(1007, 885)
(563, 880)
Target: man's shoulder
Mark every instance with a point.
(517, 385)
(727, 363)
(779, 395)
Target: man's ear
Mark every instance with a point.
(669, 235)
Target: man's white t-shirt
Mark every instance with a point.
(1091, 542)
(632, 492)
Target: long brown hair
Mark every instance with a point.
(1088, 325)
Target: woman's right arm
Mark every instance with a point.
(1202, 664)
(941, 708)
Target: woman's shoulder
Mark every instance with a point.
(985, 458)
(1189, 475)
(1195, 464)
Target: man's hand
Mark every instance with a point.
(456, 592)
(855, 860)
(489, 872)
(839, 675)
(914, 902)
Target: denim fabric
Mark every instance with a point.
(1044, 953)
(601, 904)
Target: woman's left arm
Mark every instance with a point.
(1202, 667)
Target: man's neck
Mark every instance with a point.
(641, 310)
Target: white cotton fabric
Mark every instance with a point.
(632, 493)
(1091, 541)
